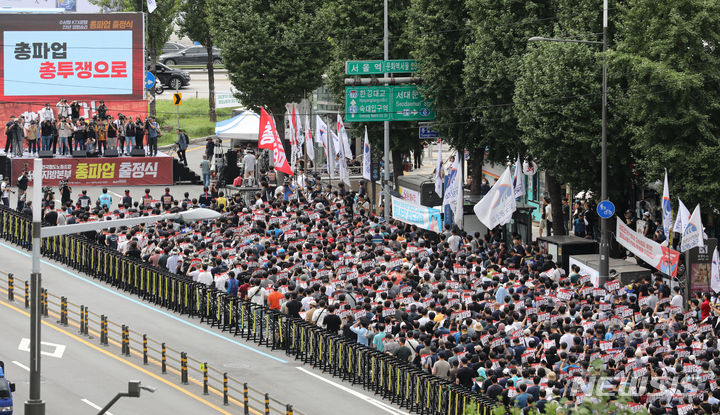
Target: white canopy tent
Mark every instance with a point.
(244, 126)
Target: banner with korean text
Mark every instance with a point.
(656, 255)
(86, 58)
(131, 171)
(422, 216)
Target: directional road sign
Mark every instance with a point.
(428, 132)
(605, 209)
(177, 98)
(386, 103)
(409, 105)
(149, 80)
(380, 67)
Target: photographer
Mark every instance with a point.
(5, 191)
(22, 184)
(65, 193)
(48, 197)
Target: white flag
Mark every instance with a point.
(666, 208)
(459, 210)
(682, 218)
(439, 171)
(692, 235)
(518, 182)
(299, 132)
(335, 138)
(344, 139)
(151, 6)
(321, 135)
(498, 205)
(344, 173)
(366, 157)
(715, 272)
(334, 146)
(309, 147)
(451, 189)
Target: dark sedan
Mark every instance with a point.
(192, 55)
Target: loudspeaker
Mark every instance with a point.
(137, 152)
(79, 153)
(45, 154)
(110, 152)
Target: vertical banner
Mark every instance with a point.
(422, 216)
(699, 266)
(86, 58)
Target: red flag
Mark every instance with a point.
(268, 133)
(279, 159)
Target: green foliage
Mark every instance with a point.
(158, 24)
(356, 33)
(667, 52)
(493, 64)
(271, 49)
(193, 118)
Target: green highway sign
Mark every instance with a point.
(409, 104)
(368, 103)
(380, 67)
(386, 103)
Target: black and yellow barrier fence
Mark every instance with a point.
(134, 345)
(402, 384)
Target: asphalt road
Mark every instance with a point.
(198, 87)
(307, 389)
(80, 374)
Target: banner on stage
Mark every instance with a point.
(135, 171)
(422, 216)
(86, 58)
(658, 256)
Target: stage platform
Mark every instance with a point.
(94, 171)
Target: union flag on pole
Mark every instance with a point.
(268, 133)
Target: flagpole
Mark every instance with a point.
(386, 124)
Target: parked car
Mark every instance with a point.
(172, 78)
(191, 55)
(172, 47)
(6, 390)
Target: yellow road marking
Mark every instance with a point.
(134, 366)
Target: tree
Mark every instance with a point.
(357, 33)
(273, 51)
(193, 22)
(499, 31)
(440, 39)
(669, 54)
(158, 25)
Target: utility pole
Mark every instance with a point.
(386, 124)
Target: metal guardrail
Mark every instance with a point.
(152, 352)
(402, 384)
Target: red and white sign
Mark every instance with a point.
(135, 171)
(660, 257)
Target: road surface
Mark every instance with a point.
(268, 371)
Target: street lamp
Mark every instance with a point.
(35, 405)
(604, 237)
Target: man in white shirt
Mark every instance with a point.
(257, 294)
(249, 162)
(677, 300)
(46, 113)
(220, 282)
(63, 108)
(205, 277)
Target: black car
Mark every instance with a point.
(191, 55)
(172, 78)
(172, 47)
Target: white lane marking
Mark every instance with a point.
(58, 349)
(114, 194)
(92, 405)
(20, 365)
(382, 405)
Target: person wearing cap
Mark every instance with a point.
(46, 113)
(127, 200)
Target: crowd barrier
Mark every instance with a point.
(396, 381)
(167, 359)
